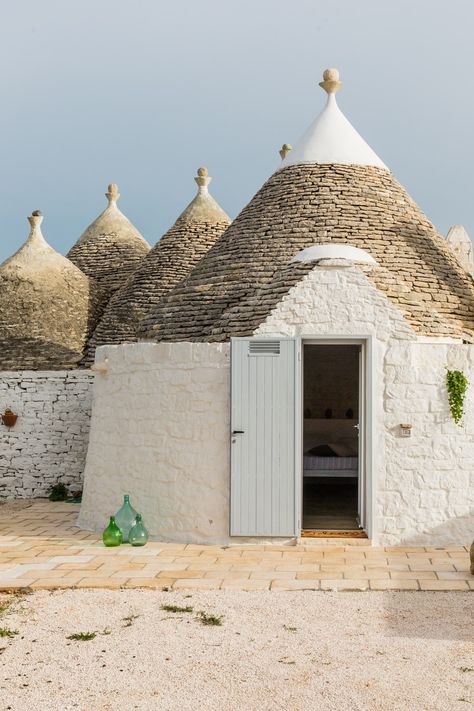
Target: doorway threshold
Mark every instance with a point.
(333, 533)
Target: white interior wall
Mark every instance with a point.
(331, 375)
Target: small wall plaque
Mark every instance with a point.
(405, 430)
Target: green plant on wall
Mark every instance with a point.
(456, 383)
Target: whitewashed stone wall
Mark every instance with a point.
(160, 432)
(160, 423)
(49, 440)
(424, 485)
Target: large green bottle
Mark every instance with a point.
(125, 517)
(138, 535)
(112, 535)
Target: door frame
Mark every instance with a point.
(366, 409)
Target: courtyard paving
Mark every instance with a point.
(41, 548)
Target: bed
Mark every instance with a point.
(315, 466)
(330, 448)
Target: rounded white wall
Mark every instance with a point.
(160, 432)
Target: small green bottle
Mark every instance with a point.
(112, 535)
(138, 534)
(125, 517)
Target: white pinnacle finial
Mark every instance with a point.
(202, 179)
(285, 149)
(330, 82)
(112, 193)
(35, 219)
(36, 236)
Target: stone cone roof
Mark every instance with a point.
(171, 259)
(110, 249)
(249, 270)
(48, 307)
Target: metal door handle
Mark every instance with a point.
(238, 432)
(356, 427)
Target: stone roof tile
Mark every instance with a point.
(235, 286)
(48, 307)
(171, 259)
(110, 249)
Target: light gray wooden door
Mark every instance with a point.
(264, 425)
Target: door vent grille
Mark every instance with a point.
(264, 348)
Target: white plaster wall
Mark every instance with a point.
(49, 440)
(160, 432)
(424, 484)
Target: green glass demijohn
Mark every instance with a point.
(112, 535)
(125, 517)
(138, 534)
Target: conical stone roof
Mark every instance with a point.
(170, 260)
(48, 307)
(110, 249)
(345, 195)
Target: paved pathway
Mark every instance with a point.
(40, 548)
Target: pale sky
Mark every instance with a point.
(142, 92)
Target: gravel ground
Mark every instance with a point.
(297, 651)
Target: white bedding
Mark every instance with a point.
(332, 463)
(330, 466)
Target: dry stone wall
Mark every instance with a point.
(49, 441)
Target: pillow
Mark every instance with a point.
(343, 449)
(322, 450)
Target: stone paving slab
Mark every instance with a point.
(41, 548)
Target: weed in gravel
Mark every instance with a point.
(106, 631)
(290, 629)
(176, 608)
(130, 620)
(5, 604)
(210, 620)
(466, 669)
(5, 632)
(82, 636)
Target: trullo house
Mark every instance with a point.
(294, 383)
(52, 316)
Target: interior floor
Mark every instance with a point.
(330, 503)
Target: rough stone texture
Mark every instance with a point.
(110, 249)
(48, 307)
(170, 260)
(424, 484)
(160, 432)
(160, 425)
(49, 440)
(242, 278)
(460, 243)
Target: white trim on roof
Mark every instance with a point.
(333, 251)
(331, 138)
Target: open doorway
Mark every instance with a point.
(331, 438)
